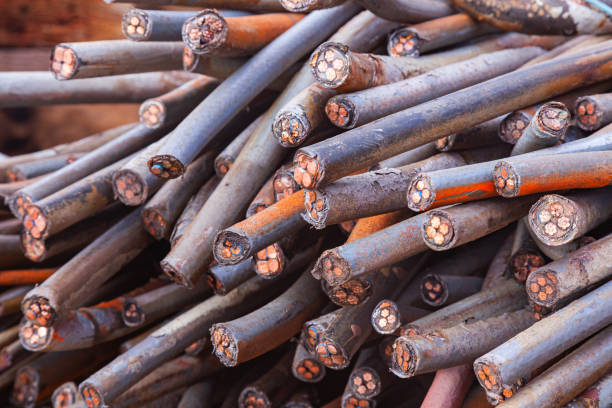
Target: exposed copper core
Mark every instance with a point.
(132, 314)
(333, 269)
(365, 382)
(505, 180)
(33, 336)
(152, 113)
(253, 398)
(91, 396)
(310, 370)
(386, 317)
(420, 193)
(189, 59)
(438, 230)
(22, 202)
(588, 114)
(404, 43)
(341, 113)
(215, 284)
(166, 166)
(34, 249)
(330, 64)
(355, 402)
(224, 346)
(512, 126)
(35, 222)
(205, 31)
(539, 311)
(316, 208)
(153, 222)
(331, 354)
(39, 311)
(129, 187)
(15, 175)
(443, 142)
(173, 274)
(522, 264)
(64, 62)
(488, 377)
(64, 396)
(553, 219)
(270, 261)
(350, 293)
(231, 247)
(223, 165)
(433, 289)
(410, 331)
(403, 364)
(306, 171)
(298, 6)
(284, 185)
(553, 118)
(291, 128)
(135, 25)
(312, 335)
(385, 349)
(542, 287)
(25, 388)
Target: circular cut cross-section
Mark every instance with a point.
(33, 336)
(588, 114)
(507, 182)
(331, 354)
(64, 62)
(205, 31)
(166, 166)
(365, 382)
(25, 387)
(542, 287)
(552, 120)
(91, 396)
(554, 219)
(152, 113)
(65, 395)
(231, 247)
(330, 64)
(309, 370)
(306, 171)
(136, 25)
(404, 43)
(421, 194)
(341, 112)
(252, 397)
(224, 345)
(512, 127)
(291, 128)
(37, 309)
(403, 364)
(270, 261)
(434, 290)
(438, 231)
(386, 317)
(334, 269)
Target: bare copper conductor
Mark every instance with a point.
(404, 43)
(270, 261)
(306, 171)
(438, 230)
(330, 65)
(152, 114)
(64, 62)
